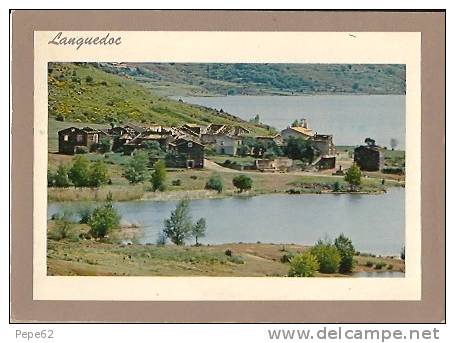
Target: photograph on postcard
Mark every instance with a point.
(226, 169)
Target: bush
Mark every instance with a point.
(369, 264)
(177, 182)
(85, 212)
(228, 252)
(346, 250)
(98, 174)
(303, 265)
(353, 176)
(336, 186)
(328, 257)
(136, 170)
(79, 172)
(159, 176)
(63, 227)
(60, 117)
(81, 150)
(242, 182)
(286, 258)
(389, 267)
(89, 79)
(379, 265)
(215, 182)
(104, 219)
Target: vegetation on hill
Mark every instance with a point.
(269, 78)
(81, 92)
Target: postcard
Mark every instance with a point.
(227, 165)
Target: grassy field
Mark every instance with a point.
(280, 79)
(96, 258)
(86, 94)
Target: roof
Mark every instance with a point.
(302, 130)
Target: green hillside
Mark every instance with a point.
(256, 79)
(80, 92)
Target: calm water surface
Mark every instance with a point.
(350, 118)
(375, 223)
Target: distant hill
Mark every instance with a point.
(257, 79)
(82, 92)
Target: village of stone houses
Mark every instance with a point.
(168, 169)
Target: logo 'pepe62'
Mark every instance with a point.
(59, 39)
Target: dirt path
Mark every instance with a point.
(210, 165)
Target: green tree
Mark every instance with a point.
(50, 178)
(61, 176)
(346, 249)
(299, 149)
(105, 145)
(104, 219)
(79, 172)
(98, 174)
(215, 182)
(178, 227)
(159, 176)
(353, 176)
(136, 170)
(242, 182)
(328, 257)
(198, 230)
(303, 265)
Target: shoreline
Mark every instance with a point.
(88, 257)
(202, 194)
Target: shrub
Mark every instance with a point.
(215, 182)
(177, 182)
(346, 250)
(369, 264)
(303, 265)
(61, 177)
(193, 177)
(136, 170)
(89, 79)
(336, 186)
(353, 176)
(286, 258)
(379, 265)
(390, 267)
(60, 117)
(327, 256)
(81, 150)
(104, 219)
(85, 212)
(98, 174)
(242, 182)
(159, 176)
(63, 227)
(228, 252)
(79, 172)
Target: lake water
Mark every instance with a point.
(350, 118)
(375, 223)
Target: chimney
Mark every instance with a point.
(305, 123)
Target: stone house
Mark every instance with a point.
(298, 131)
(369, 157)
(192, 151)
(323, 144)
(72, 137)
(227, 145)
